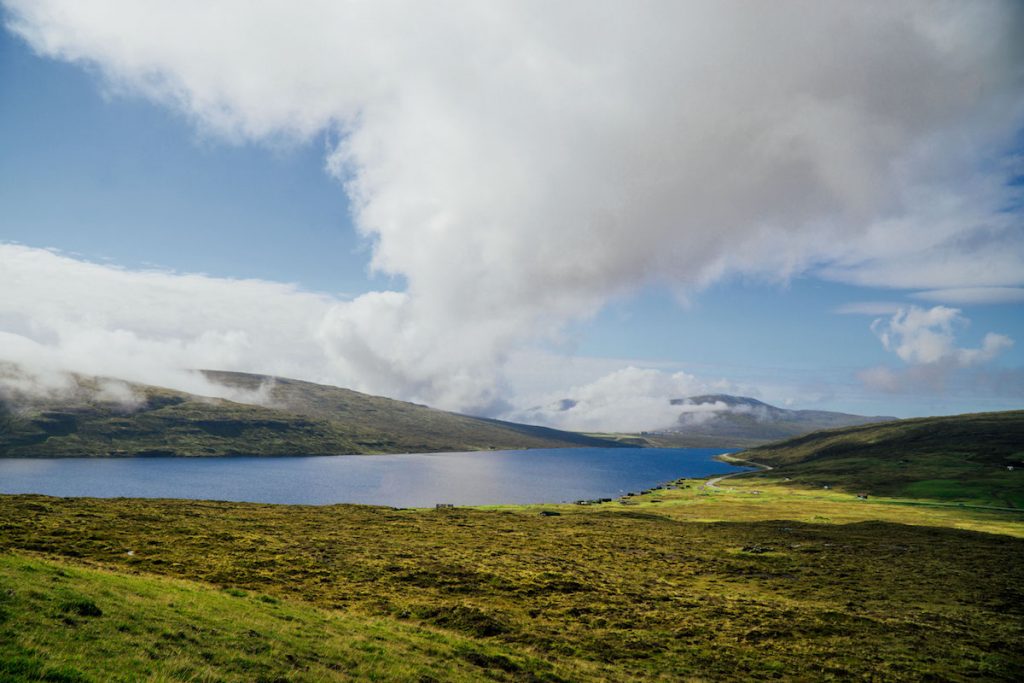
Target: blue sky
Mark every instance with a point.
(96, 166)
(114, 177)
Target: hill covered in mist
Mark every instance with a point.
(725, 420)
(90, 416)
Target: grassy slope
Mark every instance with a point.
(64, 623)
(961, 458)
(633, 591)
(304, 418)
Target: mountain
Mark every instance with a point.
(977, 458)
(99, 417)
(724, 420)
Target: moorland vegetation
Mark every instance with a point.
(761, 576)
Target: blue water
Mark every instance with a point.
(414, 480)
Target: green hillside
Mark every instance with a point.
(71, 624)
(297, 418)
(961, 458)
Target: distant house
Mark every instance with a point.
(444, 506)
(862, 496)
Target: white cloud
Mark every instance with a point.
(928, 336)
(947, 239)
(59, 313)
(695, 414)
(118, 393)
(630, 399)
(991, 346)
(974, 295)
(869, 308)
(518, 163)
(22, 382)
(925, 339)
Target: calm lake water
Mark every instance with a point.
(414, 480)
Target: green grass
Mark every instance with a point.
(768, 575)
(962, 458)
(613, 592)
(752, 498)
(74, 624)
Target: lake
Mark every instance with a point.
(412, 480)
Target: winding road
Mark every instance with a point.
(713, 482)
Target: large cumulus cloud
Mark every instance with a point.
(518, 163)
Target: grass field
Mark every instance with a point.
(768, 575)
(163, 629)
(630, 590)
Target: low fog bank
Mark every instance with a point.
(24, 387)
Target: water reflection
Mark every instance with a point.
(414, 480)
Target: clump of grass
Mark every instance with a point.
(19, 665)
(79, 606)
(465, 618)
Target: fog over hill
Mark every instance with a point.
(743, 421)
(90, 416)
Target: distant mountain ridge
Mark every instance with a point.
(726, 420)
(102, 417)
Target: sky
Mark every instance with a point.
(491, 207)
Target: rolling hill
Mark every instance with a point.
(724, 420)
(296, 418)
(976, 458)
